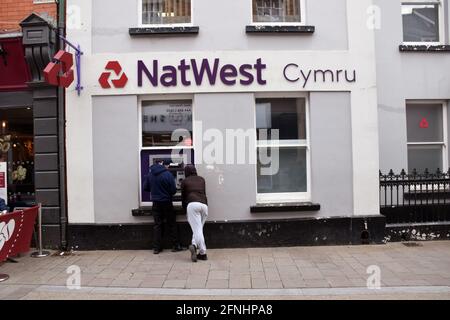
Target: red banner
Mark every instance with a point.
(16, 230)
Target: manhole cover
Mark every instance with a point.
(412, 244)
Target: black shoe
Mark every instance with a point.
(193, 251)
(156, 251)
(178, 248)
(203, 257)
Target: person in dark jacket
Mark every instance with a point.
(193, 192)
(161, 183)
(3, 207)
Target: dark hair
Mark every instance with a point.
(189, 170)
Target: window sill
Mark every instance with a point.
(147, 211)
(144, 31)
(280, 29)
(424, 48)
(284, 207)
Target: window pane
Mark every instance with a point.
(420, 23)
(166, 11)
(17, 151)
(288, 176)
(286, 115)
(161, 119)
(424, 122)
(424, 157)
(276, 11)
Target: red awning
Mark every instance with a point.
(14, 72)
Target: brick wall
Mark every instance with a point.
(12, 12)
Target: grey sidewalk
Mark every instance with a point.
(289, 272)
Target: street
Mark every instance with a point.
(420, 271)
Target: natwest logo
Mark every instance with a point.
(120, 80)
(59, 72)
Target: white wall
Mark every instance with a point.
(359, 56)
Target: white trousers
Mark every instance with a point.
(197, 213)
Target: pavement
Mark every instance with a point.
(390, 271)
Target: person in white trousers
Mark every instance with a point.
(193, 192)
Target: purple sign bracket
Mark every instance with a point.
(78, 54)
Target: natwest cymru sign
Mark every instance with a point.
(225, 72)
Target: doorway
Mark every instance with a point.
(17, 156)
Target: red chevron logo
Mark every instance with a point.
(59, 72)
(121, 78)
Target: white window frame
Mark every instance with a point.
(441, 8)
(301, 23)
(288, 197)
(444, 143)
(167, 25)
(159, 98)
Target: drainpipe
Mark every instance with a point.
(62, 135)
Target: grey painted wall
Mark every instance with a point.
(231, 189)
(331, 152)
(403, 76)
(116, 147)
(391, 103)
(232, 198)
(222, 27)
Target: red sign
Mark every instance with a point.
(16, 230)
(119, 82)
(424, 124)
(59, 73)
(2, 179)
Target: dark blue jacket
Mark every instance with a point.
(3, 205)
(161, 183)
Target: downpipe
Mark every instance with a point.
(62, 136)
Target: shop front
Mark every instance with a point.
(275, 142)
(280, 118)
(31, 130)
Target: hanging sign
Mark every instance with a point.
(59, 72)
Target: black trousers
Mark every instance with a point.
(164, 211)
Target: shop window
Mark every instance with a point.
(422, 22)
(278, 11)
(166, 135)
(283, 150)
(165, 12)
(427, 136)
(17, 157)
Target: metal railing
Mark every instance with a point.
(415, 197)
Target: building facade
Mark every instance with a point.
(289, 108)
(413, 84)
(306, 69)
(32, 114)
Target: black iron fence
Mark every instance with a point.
(415, 197)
